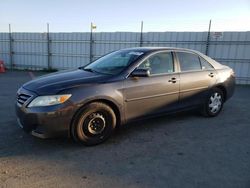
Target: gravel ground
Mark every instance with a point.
(181, 150)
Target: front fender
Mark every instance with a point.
(110, 92)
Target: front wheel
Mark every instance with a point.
(214, 103)
(93, 124)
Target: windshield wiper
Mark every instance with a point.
(87, 69)
(94, 71)
(91, 70)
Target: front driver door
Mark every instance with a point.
(154, 94)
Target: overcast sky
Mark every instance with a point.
(126, 15)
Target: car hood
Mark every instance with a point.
(55, 82)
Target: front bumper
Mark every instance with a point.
(44, 122)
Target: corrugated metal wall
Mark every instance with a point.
(69, 50)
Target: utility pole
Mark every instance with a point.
(141, 36)
(92, 27)
(48, 48)
(208, 38)
(10, 48)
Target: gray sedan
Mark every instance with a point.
(126, 85)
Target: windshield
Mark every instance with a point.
(114, 63)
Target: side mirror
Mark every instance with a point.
(140, 73)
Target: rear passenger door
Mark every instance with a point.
(196, 77)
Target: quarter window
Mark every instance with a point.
(205, 65)
(159, 63)
(188, 61)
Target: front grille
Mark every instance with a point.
(22, 98)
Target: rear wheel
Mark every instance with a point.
(93, 124)
(214, 103)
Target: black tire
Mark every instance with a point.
(208, 109)
(93, 124)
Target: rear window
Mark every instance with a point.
(188, 61)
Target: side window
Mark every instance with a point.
(205, 65)
(188, 61)
(159, 63)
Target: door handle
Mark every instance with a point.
(211, 74)
(173, 80)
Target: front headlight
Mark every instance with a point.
(49, 100)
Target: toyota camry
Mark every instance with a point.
(90, 102)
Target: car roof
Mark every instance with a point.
(215, 64)
(148, 49)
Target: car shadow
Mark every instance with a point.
(19, 143)
(148, 125)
